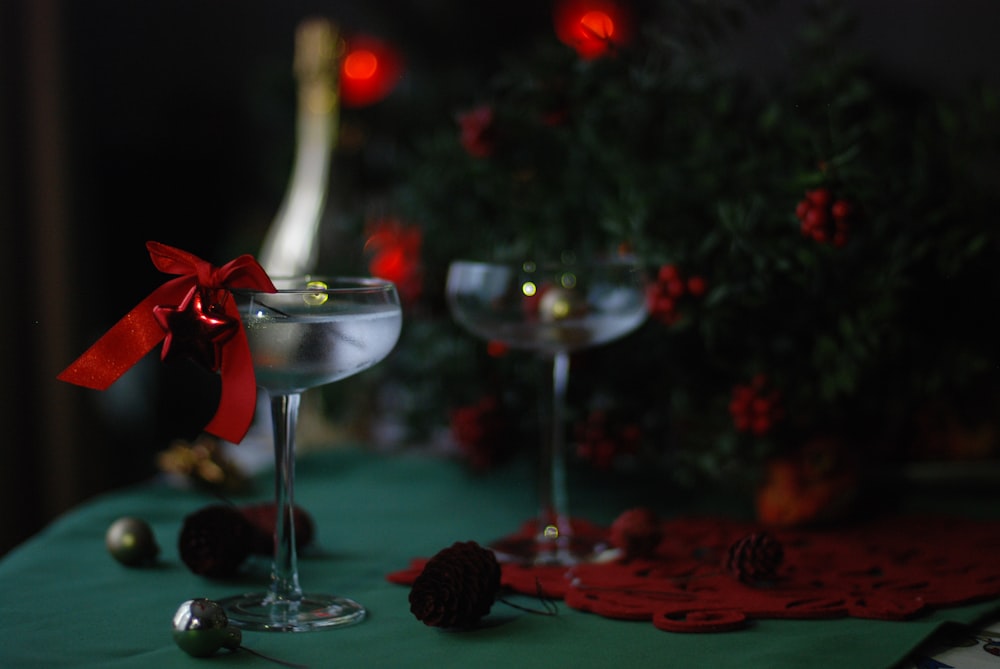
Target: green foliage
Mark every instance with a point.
(661, 150)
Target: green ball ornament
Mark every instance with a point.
(131, 542)
(201, 628)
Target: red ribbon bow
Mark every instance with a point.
(149, 323)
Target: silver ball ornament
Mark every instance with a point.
(201, 627)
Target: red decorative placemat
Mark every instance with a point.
(891, 568)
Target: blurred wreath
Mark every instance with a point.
(822, 250)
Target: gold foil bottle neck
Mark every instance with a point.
(318, 50)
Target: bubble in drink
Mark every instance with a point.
(317, 298)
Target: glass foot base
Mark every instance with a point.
(528, 546)
(541, 553)
(259, 612)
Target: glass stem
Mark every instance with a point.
(553, 521)
(284, 585)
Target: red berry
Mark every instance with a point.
(820, 197)
(761, 425)
(664, 305)
(668, 273)
(802, 208)
(754, 407)
(675, 287)
(816, 218)
(841, 209)
(696, 286)
(669, 318)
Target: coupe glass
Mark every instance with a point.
(313, 331)
(551, 309)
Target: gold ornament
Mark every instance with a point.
(560, 303)
(203, 463)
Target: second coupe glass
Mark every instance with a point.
(552, 309)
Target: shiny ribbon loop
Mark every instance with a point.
(139, 331)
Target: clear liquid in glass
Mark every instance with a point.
(292, 353)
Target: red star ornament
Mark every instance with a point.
(197, 328)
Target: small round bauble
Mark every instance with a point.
(131, 541)
(201, 627)
(558, 303)
(636, 532)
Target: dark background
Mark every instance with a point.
(125, 121)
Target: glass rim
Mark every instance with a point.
(334, 284)
(549, 264)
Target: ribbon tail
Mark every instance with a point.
(238, 398)
(127, 342)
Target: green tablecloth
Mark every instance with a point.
(66, 603)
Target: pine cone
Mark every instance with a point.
(457, 586)
(754, 558)
(636, 532)
(263, 517)
(215, 540)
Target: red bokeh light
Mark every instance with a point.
(591, 27)
(394, 250)
(369, 71)
(360, 64)
(598, 24)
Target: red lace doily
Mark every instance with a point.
(891, 569)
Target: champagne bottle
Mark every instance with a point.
(291, 244)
